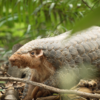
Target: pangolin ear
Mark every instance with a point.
(39, 53)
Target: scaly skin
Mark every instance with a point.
(48, 55)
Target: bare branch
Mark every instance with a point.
(86, 4)
(51, 88)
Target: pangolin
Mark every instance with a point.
(46, 56)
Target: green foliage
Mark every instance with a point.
(92, 18)
(25, 20)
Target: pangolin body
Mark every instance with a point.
(79, 48)
(59, 52)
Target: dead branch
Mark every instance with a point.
(51, 88)
(7, 74)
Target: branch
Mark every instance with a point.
(51, 88)
(86, 4)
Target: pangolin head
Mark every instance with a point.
(27, 56)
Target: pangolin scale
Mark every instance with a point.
(79, 48)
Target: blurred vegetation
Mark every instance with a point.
(25, 20)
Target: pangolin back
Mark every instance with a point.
(84, 47)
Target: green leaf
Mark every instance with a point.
(2, 22)
(1, 90)
(7, 9)
(3, 82)
(92, 18)
(1, 7)
(12, 12)
(30, 11)
(52, 16)
(19, 10)
(51, 7)
(42, 16)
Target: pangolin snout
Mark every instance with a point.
(13, 59)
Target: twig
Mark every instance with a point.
(51, 88)
(7, 74)
(86, 4)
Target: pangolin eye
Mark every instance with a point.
(32, 53)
